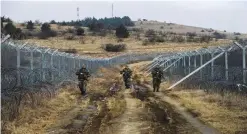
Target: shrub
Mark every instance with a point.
(10, 28)
(70, 30)
(224, 30)
(53, 22)
(162, 27)
(1, 25)
(30, 25)
(122, 32)
(47, 34)
(170, 27)
(236, 38)
(202, 31)
(28, 34)
(150, 33)
(103, 33)
(70, 37)
(177, 39)
(119, 40)
(45, 27)
(205, 39)
(93, 41)
(114, 48)
(190, 34)
(152, 39)
(219, 35)
(180, 39)
(80, 31)
(237, 33)
(145, 42)
(159, 39)
(18, 34)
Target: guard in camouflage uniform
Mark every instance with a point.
(83, 75)
(127, 73)
(157, 75)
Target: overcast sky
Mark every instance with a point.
(221, 15)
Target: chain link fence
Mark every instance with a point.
(30, 73)
(222, 68)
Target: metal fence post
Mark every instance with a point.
(18, 66)
(195, 61)
(201, 63)
(212, 67)
(226, 65)
(244, 65)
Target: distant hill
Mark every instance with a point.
(180, 29)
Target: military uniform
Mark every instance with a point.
(127, 73)
(157, 75)
(83, 75)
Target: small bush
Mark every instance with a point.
(138, 36)
(53, 22)
(47, 34)
(10, 28)
(179, 39)
(119, 40)
(93, 41)
(102, 33)
(70, 30)
(159, 39)
(30, 25)
(224, 30)
(150, 33)
(80, 31)
(219, 35)
(82, 40)
(45, 27)
(145, 43)
(190, 34)
(70, 51)
(162, 27)
(170, 27)
(70, 37)
(202, 31)
(122, 32)
(114, 48)
(152, 39)
(205, 39)
(28, 34)
(236, 38)
(237, 33)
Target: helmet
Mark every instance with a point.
(83, 66)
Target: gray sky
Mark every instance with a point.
(221, 15)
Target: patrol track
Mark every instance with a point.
(129, 122)
(199, 125)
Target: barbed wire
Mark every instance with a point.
(222, 67)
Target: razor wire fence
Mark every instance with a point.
(30, 73)
(222, 67)
(26, 65)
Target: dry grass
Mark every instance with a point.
(227, 113)
(116, 106)
(37, 120)
(63, 108)
(91, 45)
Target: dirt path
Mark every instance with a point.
(130, 122)
(200, 126)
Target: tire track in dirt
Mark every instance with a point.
(130, 122)
(199, 125)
